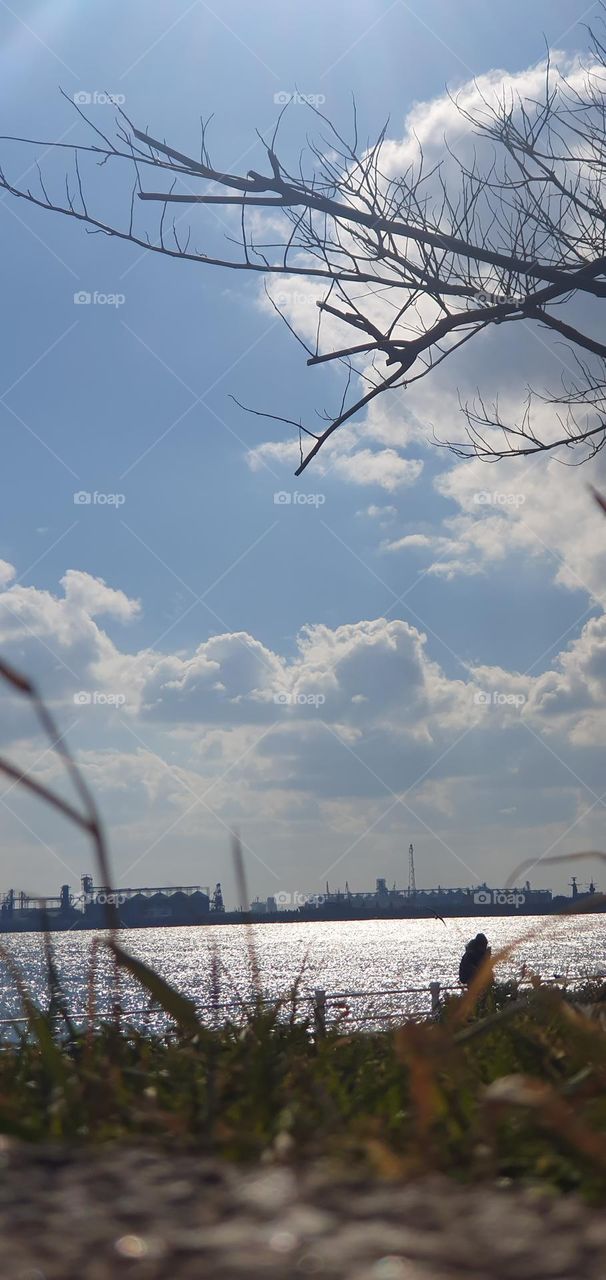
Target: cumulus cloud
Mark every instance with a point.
(368, 676)
(58, 637)
(544, 510)
(91, 596)
(359, 729)
(229, 677)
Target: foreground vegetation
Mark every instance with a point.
(499, 1085)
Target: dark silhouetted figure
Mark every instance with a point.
(475, 952)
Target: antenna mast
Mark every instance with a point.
(412, 887)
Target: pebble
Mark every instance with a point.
(73, 1214)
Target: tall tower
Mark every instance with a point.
(412, 887)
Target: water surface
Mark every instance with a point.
(341, 957)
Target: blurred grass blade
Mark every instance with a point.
(601, 501)
(243, 895)
(38, 1024)
(88, 821)
(178, 1007)
(41, 1028)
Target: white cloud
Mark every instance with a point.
(272, 453)
(369, 716)
(93, 597)
(383, 467)
(374, 512)
(228, 677)
(58, 638)
(410, 540)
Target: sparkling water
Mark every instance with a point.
(370, 970)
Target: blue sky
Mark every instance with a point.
(209, 584)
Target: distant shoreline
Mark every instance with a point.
(558, 906)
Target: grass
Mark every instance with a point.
(499, 1085)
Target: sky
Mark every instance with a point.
(378, 656)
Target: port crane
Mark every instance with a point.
(576, 888)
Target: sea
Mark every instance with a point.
(372, 972)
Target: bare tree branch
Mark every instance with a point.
(413, 266)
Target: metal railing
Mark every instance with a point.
(373, 1009)
(354, 1010)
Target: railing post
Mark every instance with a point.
(434, 988)
(320, 1011)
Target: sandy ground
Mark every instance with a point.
(68, 1215)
